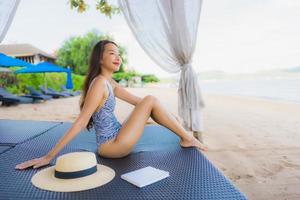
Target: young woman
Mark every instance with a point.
(97, 105)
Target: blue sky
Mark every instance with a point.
(235, 36)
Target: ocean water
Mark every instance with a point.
(287, 89)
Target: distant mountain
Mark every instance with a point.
(293, 69)
(275, 73)
(212, 74)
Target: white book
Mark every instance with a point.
(145, 176)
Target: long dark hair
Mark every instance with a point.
(93, 71)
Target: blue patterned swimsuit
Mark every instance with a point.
(105, 122)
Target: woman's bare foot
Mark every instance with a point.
(193, 142)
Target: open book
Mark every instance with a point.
(145, 176)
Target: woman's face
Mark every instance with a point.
(111, 59)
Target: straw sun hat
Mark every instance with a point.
(75, 171)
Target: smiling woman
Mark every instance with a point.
(97, 106)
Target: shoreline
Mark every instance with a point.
(258, 98)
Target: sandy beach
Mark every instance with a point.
(254, 142)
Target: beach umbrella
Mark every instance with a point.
(7, 61)
(45, 67)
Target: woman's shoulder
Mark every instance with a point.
(113, 83)
(98, 82)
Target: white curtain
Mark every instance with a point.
(7, 12)
(167, 31)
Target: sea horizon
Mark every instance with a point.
(272, 88)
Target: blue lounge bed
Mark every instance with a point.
(7, 101)
(17, 131)
(192, 176)
(37, 95)
(63, 93)
(54, 94)
(4, 148)
(8, 98)
(70, 92)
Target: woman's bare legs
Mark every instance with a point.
(132, 129)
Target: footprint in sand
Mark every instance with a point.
(236, 177)
(290, 164)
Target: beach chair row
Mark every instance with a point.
(34, 95)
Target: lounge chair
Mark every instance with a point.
(72, 93)
(63, 93)
(53, 94)
(9, 99)
(36, 94)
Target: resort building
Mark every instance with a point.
(26, 52)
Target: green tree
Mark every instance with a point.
(102, 5)
(149, 78)
(125, 75)
(75, 52)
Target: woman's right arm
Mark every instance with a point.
(93, 97)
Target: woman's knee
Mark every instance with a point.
(150, 99)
